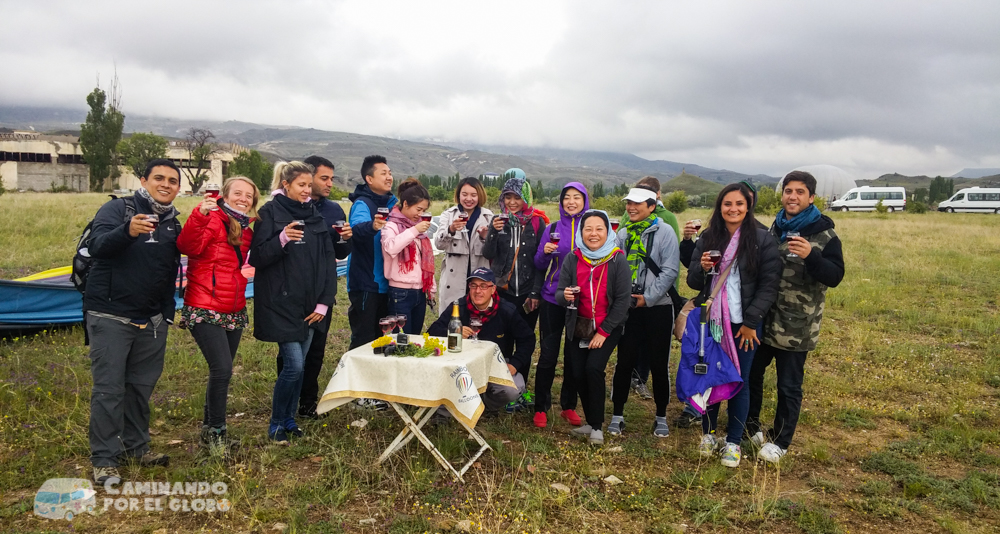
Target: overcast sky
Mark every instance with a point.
(873, 87)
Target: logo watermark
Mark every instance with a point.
(66, 498)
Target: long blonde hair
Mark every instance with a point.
(286, 171)
(234, 230)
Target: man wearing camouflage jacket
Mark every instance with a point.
(812, 261)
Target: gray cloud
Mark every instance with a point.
(749, 86)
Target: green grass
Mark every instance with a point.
(898, 433)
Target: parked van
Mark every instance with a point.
(865, 198)
(973, 199)
(65, 498)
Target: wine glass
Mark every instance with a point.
(576, 296)
(715, 257)
(386, 325)
(400, 321)
(503, 217)
(155, 220)
(382, 213)
(339, 227)
(213, 190)
(614, 225)
(464, 217)
(697, 225)
(475, 324)
(300, 225)
(555, 237)
(789, 235)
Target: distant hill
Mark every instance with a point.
(691, 184)
(407, 158)
(976, 173)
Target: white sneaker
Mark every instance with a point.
(708, 446)
(757, 439)
(771, 453)
(582, 431)
(596, 438)
(731, 455)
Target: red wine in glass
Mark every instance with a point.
(504, 217)
(426, 217)
(386, 325)
(339, 227)
(213, 191)
(382, 213)
(400, 322)
(696, 224)
(300, 225)
(475, 325)
(614, 225)
(715, 257)
(555, 237)
(464, 217)
(576, 296)
(155, 221)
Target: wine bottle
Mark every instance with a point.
(455, 331)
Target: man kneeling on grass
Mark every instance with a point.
(813, 261)
(128, 302)
(500, 319)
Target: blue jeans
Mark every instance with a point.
(739, 405)
(285, 399)
(409, 302)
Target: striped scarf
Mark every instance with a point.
(634, 247)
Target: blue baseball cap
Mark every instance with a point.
(483, 274)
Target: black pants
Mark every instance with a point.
(219, 346)
(589, 366)
(530, 318)
(551, 322)
(648, 330)
(791, 369)
(309, 395)
(364, 312)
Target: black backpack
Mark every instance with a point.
(82, 262)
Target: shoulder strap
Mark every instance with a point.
(650, 264)
(723, 276)
(129, 207)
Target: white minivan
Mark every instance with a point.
(865, 198)
(974, 199)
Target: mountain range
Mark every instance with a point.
(406, 157)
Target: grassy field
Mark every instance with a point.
(899, 430)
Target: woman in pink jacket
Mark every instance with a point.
(408, 255)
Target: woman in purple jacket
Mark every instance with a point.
(558, 240)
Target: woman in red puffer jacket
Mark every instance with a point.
(216, 239)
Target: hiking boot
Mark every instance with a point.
(641, 390)
(105, 473)
(616, 427)
(596, 438)
(149, 459)
(731, 455)
(582, 431)
(571, 417)
(216, 437)
(708, 446)
(687, 420)
(541, 420)
(660, 429)
(771, 453)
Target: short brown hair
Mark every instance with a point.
(650, 183)
(476, 184)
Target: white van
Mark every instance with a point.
(973, 199)
(865, 198)
(65, 498)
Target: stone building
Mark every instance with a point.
(32, 161)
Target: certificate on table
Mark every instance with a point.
(454, 379)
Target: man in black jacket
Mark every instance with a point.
(128, 302)
(332, 214)
(813, 260)
(502, 324)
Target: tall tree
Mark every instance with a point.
(201, 147)
(252, 165)
(101, 132)
(597, 191)
(138, 149)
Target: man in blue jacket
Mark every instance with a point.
(366, 284)
(128, 302)
(332, 213)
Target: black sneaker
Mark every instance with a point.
(278, 435)
(687, 420)
(216, 437)
(294, 431)
(309, 413)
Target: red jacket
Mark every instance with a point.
(215, 280)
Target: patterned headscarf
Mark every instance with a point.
(517, 183)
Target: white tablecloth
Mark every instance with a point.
(454, 379)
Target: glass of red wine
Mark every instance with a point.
(475, 324)
(576, 296)
(426, 217)
(213, 190)
(614, 225)
(696, 223)
(300, 225)
(400, 321)
(503, 217)
(789, 235)
(386, 324)
(155, 221)
(382, 213)
(555, 237)
(339, 227)
(714, 256)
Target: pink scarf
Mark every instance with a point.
(409, 254)
(718, 314)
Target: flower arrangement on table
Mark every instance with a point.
(429, 347)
